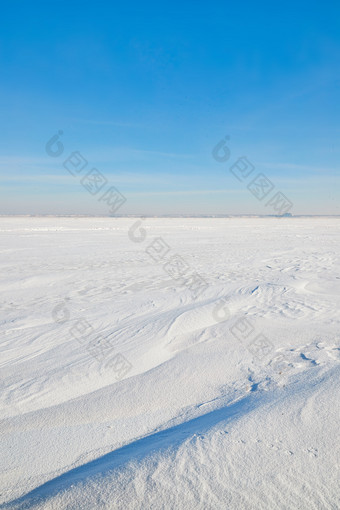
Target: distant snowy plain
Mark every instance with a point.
(123, 386)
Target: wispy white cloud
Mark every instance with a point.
(115, 123)
(60, 179)
(164, 154)
(24, 160)
(189, 192)
(121, 178)
(300, 168)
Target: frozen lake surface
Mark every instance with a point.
(170, 363)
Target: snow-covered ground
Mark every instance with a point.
(170, 363)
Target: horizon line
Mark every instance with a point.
(170, 216)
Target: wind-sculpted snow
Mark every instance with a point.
(123, 389)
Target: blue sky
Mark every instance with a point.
(144, 91)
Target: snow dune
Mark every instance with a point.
(121, 389)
